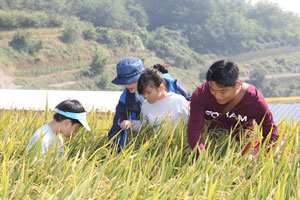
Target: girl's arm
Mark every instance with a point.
(133, 124)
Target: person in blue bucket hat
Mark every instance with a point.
(70, 115)
(129, 106)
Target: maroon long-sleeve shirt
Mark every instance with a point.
(251, 107)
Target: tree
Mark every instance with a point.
(70, 34)
(257, 78)
(104, 80)
(98, 64)
(105, 13)
(20, 41)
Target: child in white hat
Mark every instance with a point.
(70, 116)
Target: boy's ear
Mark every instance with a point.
(66, 121)
(237, 85)
(161, 87)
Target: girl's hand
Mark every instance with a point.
(125, 124)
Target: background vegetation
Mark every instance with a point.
(155, 165)
(39, 35)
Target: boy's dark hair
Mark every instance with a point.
(224, 73)
(73, 106)
(162, 68)
(150, 76)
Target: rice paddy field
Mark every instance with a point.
(283, 99)
(156, 164)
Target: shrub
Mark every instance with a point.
(114, 39)
(104, 80)
(69, 35)
(19, 41)
(173, 47)
(90, 33)
(54, 21)
(36, 47)
(22, 19)
(98, 63)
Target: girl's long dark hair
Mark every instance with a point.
(150, 76)
(162, 68)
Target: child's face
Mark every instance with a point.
(131, 87)
(67, 128)
(152, 94)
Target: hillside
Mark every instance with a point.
(62, 66)
(43, 50)
(57, 65)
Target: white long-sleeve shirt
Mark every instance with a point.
(173, 106)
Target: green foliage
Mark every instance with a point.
(107, 13)
(184, 34)
(104, 81)
(90, 33)
(210, 27)
(257, 78)
(49, 69)
(35, 47)
(225, 28)
(22, 19)
(114, 39)
(98, 63)
(69, 35)
(137, 12)
(202, 76)
(171, 46)
(143, 34)
(53, 6)
(21, 42)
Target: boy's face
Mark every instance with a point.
(131, 87)
(223, 94)
(67, 128)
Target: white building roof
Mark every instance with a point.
(285, 111)
(101, 100)
(36, 99)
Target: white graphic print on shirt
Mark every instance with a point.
(228, 115)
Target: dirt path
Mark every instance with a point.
(47, 76)
(244, 57)
(6, 81)
(59, 85)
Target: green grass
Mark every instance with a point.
(154, 165)
(50, 69)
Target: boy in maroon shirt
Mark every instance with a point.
(210, 98)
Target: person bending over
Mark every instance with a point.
(129, 106)
(221, 88)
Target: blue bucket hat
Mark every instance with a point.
(129, 70)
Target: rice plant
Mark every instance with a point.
(156, 164)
